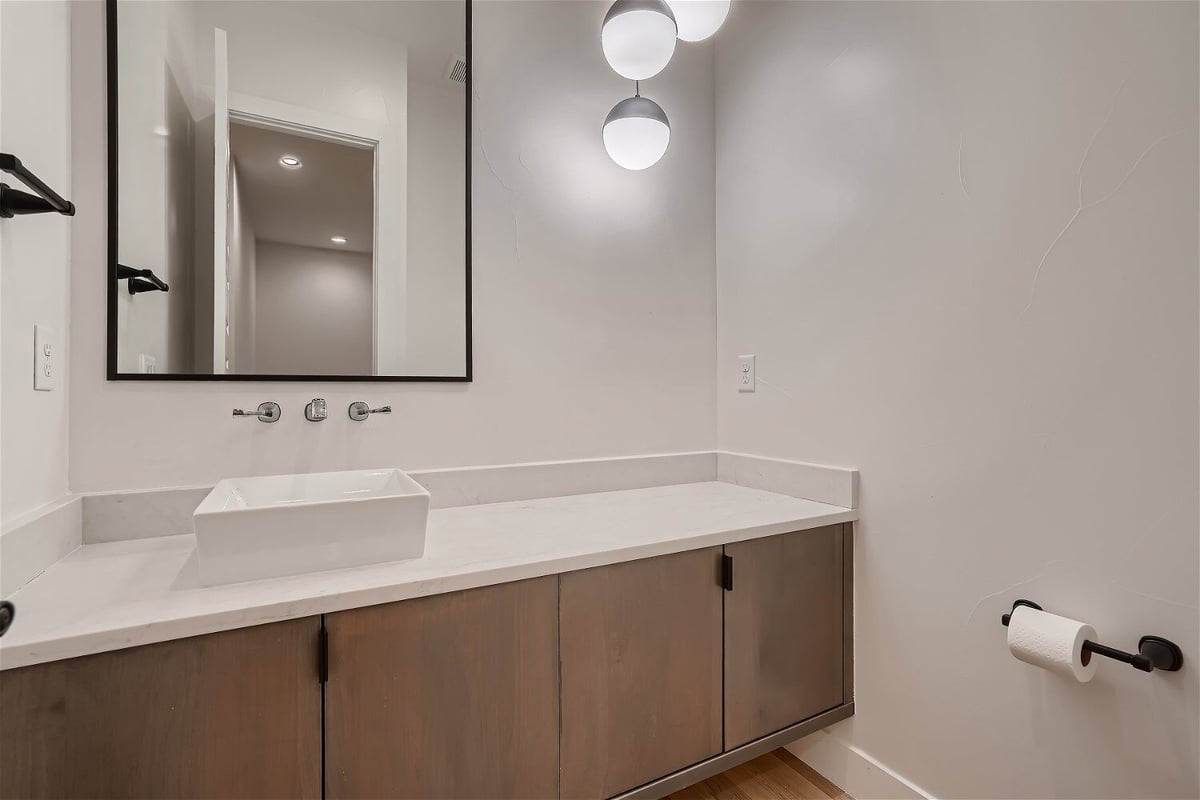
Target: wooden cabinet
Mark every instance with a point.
(783, 632)
(232, 714)
(641, 671)
(454, 696)
(585, 684)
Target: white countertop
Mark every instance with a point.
(121, 594)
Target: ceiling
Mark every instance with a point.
(431, 30)
(332, 194)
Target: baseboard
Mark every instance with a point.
(739, 755)
(857, 773)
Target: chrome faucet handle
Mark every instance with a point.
(315, 411)
(267, 412)
(360, 410)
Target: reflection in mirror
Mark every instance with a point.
(295, 172)
(301, 232)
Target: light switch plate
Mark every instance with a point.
(45, 358)
(745, 376)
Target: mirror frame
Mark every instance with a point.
(113, 374)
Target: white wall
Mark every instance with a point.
(594, 296)
(435, 339)
(359, 77)
(242, 270)
(900, 240)
(312, 310)
(156, 156)
(35, 120)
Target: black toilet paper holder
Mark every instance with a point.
(1154, 652)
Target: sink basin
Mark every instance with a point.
(251, 528)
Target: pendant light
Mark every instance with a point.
(638, 37)
(636, 133)
(699, 19)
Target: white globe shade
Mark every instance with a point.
(638, 37)
(699, 19)
(636, 133)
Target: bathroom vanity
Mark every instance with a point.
(622, 643)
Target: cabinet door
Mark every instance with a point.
(232, 714)
(453, 696)
(783, 632)
(641, 671)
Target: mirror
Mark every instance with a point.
(289, 190)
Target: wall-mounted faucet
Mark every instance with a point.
(316, 411)
(267, 412)
(360, 410)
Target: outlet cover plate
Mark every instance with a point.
(745, 374)
(45, 358)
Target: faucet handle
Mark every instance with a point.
(360, 410)
(267, 412)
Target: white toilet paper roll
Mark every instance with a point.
(1051, 642)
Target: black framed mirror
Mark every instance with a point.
(289, 190)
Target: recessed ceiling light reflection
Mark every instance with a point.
(290, 162)
(338, 239)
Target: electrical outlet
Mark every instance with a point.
(745, 375)
(45, 359)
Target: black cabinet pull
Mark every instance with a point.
(323, 654)
(727, 572)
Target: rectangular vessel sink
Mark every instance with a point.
(251, 528)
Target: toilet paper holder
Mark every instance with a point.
(1154, 652)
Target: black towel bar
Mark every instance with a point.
(15, 201)
(141, 280)
(1154, 652)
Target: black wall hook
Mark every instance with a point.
(1154, 652)
(141, 280)
(14, 201)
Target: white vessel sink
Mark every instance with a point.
(251, 528)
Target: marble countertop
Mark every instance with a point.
(121, 594)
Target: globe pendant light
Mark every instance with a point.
(638, 37)
(698, 19)
(636, 133)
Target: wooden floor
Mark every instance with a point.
(776, 776)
